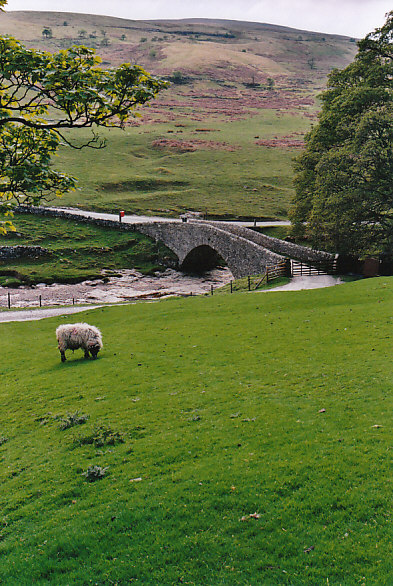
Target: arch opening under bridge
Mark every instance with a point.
(202, 258)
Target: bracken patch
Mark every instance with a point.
(186, 146)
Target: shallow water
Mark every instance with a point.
(131, 285)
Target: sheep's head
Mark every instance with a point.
(94, 349)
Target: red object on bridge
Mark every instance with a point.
(121, 213)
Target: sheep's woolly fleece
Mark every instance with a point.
(79, 335)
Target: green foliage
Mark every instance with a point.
(101, 435)
(47, 32)
(257, 370)
(178, 78)
(344, 178)
(72, 419)
(94, 473)
(270, 83)
(41, 95)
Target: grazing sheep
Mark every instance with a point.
(80, 335)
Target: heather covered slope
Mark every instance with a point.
(222, 137)
(248, 440)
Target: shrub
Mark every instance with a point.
(72, 419)
(101, 436)
(94, 473)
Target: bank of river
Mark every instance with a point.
(130, 285)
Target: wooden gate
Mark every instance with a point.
(323, 267)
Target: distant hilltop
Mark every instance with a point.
(248, 51)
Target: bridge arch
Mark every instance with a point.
(202, 243)
(202, 258)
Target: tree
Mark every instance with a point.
(344, 178)
(311, 62)
(42, 96)
(270, 83)
(47, 32)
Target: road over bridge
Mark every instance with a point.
(201, 244)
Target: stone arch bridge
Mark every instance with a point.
(200, 244)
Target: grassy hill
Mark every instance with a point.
(77, 252)
(222, 137)
(248, 440)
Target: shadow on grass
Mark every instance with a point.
(73, 361)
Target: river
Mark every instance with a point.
(131, 285)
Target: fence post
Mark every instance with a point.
(9, 300)
(40, 301)
(288, 267)
(231, 286)
(211, 289)
(267, 274)
(73, 301)
(249, 283)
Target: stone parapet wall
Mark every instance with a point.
(288, 249)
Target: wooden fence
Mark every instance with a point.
(254, 282)
(40, 302)
(323, 267)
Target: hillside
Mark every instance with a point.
(241, 98)
(223, 51)
(248, 439)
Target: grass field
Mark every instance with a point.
(248, 439)
(221, 139)
(131, 174)
(77, 252)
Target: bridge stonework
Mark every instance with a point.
(244, 251)
(242, 256)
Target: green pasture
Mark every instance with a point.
(248, 440)
(77, 251)
(130, 174)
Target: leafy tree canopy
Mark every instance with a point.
(344, 178)
(42, 95)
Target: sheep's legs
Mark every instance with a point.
(86, 354)
(63, 358)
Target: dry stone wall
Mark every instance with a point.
(11, 252)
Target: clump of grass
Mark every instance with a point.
(3, 439)
(47, 418)
(72, 419)
(100, 436)
(94, 473)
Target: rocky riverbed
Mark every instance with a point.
(130, 285)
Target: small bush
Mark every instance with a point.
(72, 419)
(101, 436)
(94, 473)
